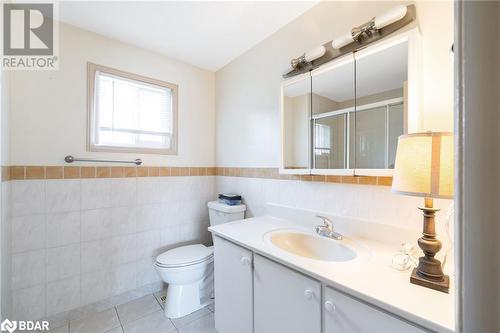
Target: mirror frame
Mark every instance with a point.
(282, 169)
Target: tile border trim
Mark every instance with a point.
(86, 172)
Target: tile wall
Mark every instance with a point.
(369, 203)
(78, 241)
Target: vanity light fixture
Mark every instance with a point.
(357, 34)
(424, 168)
(369, 32)
(308, 56)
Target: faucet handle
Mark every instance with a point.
(326, 221)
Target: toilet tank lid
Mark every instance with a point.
(222, 207)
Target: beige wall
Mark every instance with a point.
(247, 89)
(49, 112)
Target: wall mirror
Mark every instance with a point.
(358, 107)
(332, 109)
(381, 105)
(295, 116)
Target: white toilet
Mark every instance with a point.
(188, 269)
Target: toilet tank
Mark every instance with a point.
(222, 213)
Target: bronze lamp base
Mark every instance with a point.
(429, 272)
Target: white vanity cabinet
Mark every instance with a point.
(256, 294)
(233, 287)
(343, 313)
(284, 300)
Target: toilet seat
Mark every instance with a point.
(185, 256)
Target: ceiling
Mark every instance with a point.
(206, 34)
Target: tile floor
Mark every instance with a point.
(142, 315)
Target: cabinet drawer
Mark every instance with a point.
(346, 314)
(233, 287)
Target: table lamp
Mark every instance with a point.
(424, 168)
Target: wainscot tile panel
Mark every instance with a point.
(80, 237)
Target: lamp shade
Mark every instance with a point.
(424, 165)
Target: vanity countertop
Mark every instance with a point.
(369, 277)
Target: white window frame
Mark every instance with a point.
(92, 69)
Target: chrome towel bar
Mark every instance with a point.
(71, 159)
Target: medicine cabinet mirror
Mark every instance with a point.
(295, 116)
(349, 120)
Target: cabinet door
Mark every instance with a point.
(346, 314)
(233, 287)
(284, 300)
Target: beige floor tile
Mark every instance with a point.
(138, 308)
(98, 323)
(153, 323)
(183, 321)
(204, 324)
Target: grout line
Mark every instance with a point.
(119, 320)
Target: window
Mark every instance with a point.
(131, 113)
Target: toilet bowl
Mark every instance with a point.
(188, 270)
(184, 269)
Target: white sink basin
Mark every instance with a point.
(312, 246)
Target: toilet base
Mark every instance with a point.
(183, 300)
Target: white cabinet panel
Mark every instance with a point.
(284, 300)
(346, 314)
(233, 287)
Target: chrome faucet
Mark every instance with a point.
(326, 230)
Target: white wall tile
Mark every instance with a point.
(62, 195)
(96, 193)
(63, 262)
(96, 255)
(146, 272)
(28, 269)
(123, 192)
(28, 303)
(124, 278)
(96, 224)
(149, 217)
(124, 249)
(167, 188)
(123, 220)
(27, 197)
(62, 229)
(148, 190)
(63, 295)
(28, 233)
(170, 236)
(148, 244)
(95, 286)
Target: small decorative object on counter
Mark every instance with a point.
(230, 199)
(405, 258)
